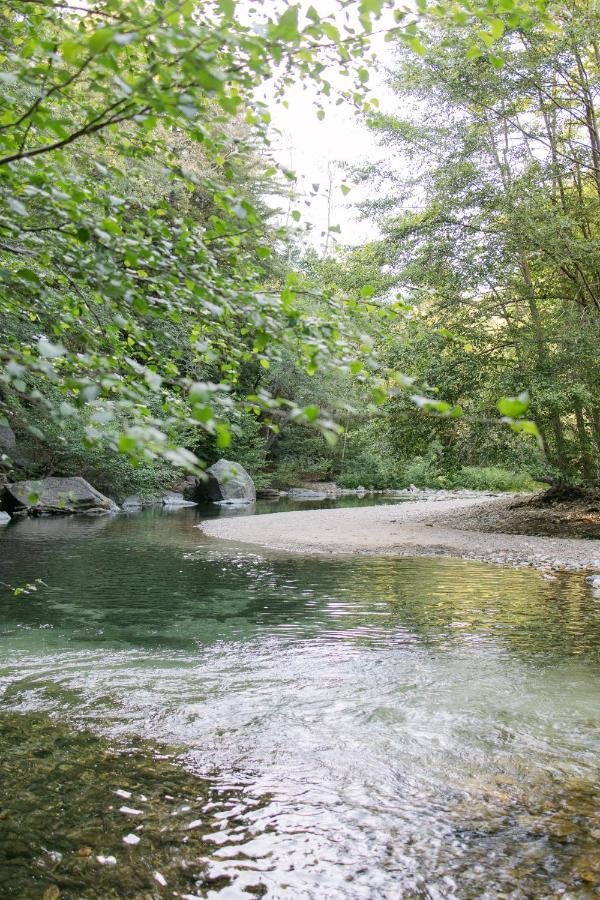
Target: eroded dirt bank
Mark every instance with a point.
(455, 527)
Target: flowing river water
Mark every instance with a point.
(264, 724)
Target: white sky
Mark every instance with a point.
(309, 146)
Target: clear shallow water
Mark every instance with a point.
(379, 727)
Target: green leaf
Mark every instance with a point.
(497, 28)
(223, 436)
(227, 7)
(286, 28)
(486, 37)
(72, 51)
(415, 44)
(514, 407)
(331, 31)
(100, 39)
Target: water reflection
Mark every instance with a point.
(387, 727)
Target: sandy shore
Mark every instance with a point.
(420, 528)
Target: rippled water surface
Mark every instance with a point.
(362, 727)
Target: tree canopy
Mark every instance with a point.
(145, 294)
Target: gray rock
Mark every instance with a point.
(308, 494)
(8, 441)
(593, 580)
(56, 496)
(327, 488)
(189, 487)
(132, 502)
(267, 493)
(175, 499)
(4, 518)
(225, 480)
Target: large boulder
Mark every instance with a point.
(55, 496)
(225, 481)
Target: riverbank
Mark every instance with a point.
(457, 527)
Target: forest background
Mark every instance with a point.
(160, 307)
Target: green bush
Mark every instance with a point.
(491, 478)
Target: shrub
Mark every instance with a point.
(491, 478)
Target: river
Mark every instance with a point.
(289, 726)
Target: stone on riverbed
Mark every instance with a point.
(56, 496)
(175, 499)
(224, 481)
(171, 499)
(134, 501)
(267, 493)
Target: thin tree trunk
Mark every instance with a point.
(587, 463)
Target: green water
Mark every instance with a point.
(338, 727)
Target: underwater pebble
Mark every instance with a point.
(131, 839)
(160, 878)
(107, 860)
(51, 893)
(126, 795)
(129, 811)
(195, 824)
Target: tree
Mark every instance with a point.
(494, 235)
(133, 247)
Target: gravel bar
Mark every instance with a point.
(416, 528)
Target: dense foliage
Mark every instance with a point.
(147, 306)
(490, 209)
(137, 281)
